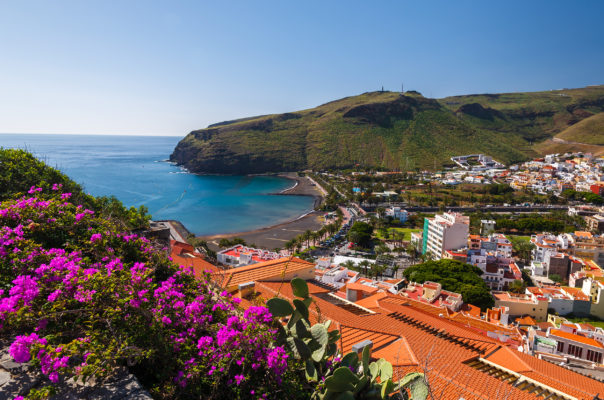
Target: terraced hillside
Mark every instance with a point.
(394, 131)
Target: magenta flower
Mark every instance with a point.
(19, 349)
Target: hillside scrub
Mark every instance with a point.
(20, 170)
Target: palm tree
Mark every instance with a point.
(349, 265)
(290, 244)
(315, 236)
(298, 240)
(412, 251)
(307, 236)
(364, 264)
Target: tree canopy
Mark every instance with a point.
(454, 276)
(360, 234)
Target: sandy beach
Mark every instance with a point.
(302, 187)
(276, 236)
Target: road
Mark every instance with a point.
(323, 191)
(527, 209)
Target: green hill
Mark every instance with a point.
(388, 130)
(588, 131)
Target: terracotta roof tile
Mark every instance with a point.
(443, 348)
(576, 338)
(261, 271)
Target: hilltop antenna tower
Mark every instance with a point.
(402, 88)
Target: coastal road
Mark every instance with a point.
(323, 191)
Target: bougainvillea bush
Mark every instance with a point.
(79, 297)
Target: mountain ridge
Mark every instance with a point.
(389, 130)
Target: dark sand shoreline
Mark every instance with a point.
(275, 236)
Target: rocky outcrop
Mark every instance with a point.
(19, 379)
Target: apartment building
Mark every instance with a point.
(520, 305)
(448, 231)
(595, 223)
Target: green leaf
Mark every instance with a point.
(300, 330)
(334, 336)
(307, 301)
(279, 307)
(385, 371)
(350, 360)
(318, 354)
(311, 372)
(298, 348)
(301, 308)
(294, 319)
(299, 287)
(319, 333)
(374, 370)
(416, 384)
(365, 357)
(331, 350)
(342, 380)
(387, 388)
(410, 377)
(345, 396)
(419, 390)
(361, 384)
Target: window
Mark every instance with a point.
(594, 356)
(575, 350)
(560, 347)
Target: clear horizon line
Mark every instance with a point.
(94, 134)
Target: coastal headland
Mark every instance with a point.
(276, 236)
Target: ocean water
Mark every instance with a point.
(133, 169)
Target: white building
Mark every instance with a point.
(397, 213)
(239, 256)
(448, 231)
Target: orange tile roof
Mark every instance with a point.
(398, 353)
(272, 269)
(583, 234)
(360, 287)
(576, 338)
(180, 247)
(372, 302)
(527, 320)
(471, 309)
(507, 358)
(576, 293)
(443, 346)
(198, 264)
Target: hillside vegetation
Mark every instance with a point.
(390, 130)
(589, 131)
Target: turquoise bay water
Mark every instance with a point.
(131, 169)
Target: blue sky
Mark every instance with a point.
(145, 67)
